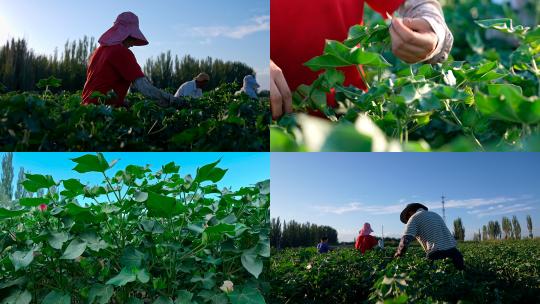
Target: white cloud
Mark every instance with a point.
(500, 209)
(476, 206)
(257, 24)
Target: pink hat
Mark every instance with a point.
(126, 25)
(366, 230)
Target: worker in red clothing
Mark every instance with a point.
(113, 66)
(299, 29)
(365, 241)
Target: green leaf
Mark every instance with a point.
(357, 34)
(33, 201)
(93, 241)
(140, 197)
(100, 294)
(207, 280)
(152, 226)
(18, 297)
(210, 173)
(506, 102)
(170, 168)
(326, 61)
(533, 36)
(73, 187)
(91, 163)
(248, 295)
(7, 214)
(264, 187)
(143, 276)
(74, 250)
(213, 233)
(21, 259)
(501, 24)
(163, 206)
(163, 300)
(280, 141)
(125, 276)
(34, 182)
(57, 239)
(252, 262)
(213, 297)
(360, 57)
(57, 297)
(131, 258)
(183, 297)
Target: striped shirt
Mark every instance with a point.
(430, 230)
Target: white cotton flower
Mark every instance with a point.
(449, 78)
(227, 286)
(308, 267)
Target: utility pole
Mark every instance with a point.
(443, 211)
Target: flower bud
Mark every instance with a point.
(227, 286)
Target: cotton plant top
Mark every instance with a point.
(189, 89)
(111, 68)
(300, 28)
(430, 230)
(323, 248)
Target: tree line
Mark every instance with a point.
(285, 234)
(21, 68)
(9, 195)
(494, 231)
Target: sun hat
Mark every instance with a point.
(366, 230)
(410, 207)
(126, 25)
(202, 77)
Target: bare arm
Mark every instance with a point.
(144, 86)
(404, 244)
(431, 11)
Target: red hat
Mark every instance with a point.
(126, 25)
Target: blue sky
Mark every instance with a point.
(244, 169)
(230, 30)
(344, 190)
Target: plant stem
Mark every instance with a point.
(362, 76)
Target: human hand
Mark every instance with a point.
(397, 254)
(280, 94)
(413, 39)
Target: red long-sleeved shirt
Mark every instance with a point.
(365, 242)
(300, 28)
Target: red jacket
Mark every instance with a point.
(365, 242)
(300, 27)
(111, 68)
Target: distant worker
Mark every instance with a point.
(365, 241)
(250, 87)
(323, 247)
(431, 232)
(193, 88)
(113, 67)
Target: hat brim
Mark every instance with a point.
(118, 33)
(410, 207)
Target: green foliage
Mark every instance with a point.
(459, 230)
(294, 234)
(137, 237)
(166, 71)
(220, 121)
(6, 180)
(21, 67)
(482, 104)
(496, 272)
